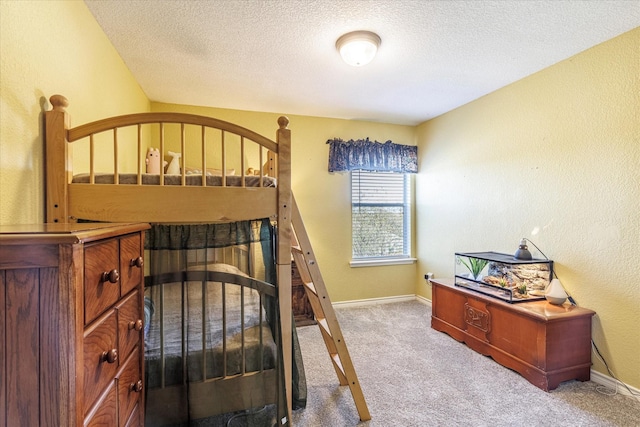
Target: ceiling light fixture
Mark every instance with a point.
(358, 47)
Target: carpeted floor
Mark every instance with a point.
(412, 375)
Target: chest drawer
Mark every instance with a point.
(130, 263)
(105, 413)
(134, 419)
(101, 358)
(130, 324)
(101, 278)
(113, 268)
(130, 387)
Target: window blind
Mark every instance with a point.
(380, 214)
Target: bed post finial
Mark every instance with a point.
(58, 160)
(59, 103)
(283, 122)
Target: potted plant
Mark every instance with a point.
(474, 265)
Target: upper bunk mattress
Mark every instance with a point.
(191, 180)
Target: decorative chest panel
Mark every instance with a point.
(477, 318)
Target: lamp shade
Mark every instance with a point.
(358, 47)
(555, 293)
(523, 251)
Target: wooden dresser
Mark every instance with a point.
(545, 343)
(71, 349)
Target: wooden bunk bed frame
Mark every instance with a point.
(67, 201)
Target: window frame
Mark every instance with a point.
(407, 206)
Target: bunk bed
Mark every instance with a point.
(218, 255)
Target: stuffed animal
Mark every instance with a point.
(174, 165)
(153, 161)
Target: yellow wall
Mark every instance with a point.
(324, 198)
(50, 47)
(555, 158)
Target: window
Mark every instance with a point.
(380, 217)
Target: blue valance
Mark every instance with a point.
(373, 156)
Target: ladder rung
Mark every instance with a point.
(303, 268)
(311, 288)
(336, 361)
(322, 322)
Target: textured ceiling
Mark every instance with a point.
(279, 55)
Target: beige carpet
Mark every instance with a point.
(412, 375)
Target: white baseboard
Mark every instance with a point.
(614, 384)
(423, 300)
(372, 301)
(382, 300)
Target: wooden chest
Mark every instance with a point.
(545, 343)
(71, 342)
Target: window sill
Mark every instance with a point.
(375, 262)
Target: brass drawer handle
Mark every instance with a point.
(138, 262)
(111, 276)
(137, 325)
(110, 356)
(136, 387)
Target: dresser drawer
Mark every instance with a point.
(101, 278)
(130, 324)
(105, 411)
(100, 356)
(134, 419)
(130, 263)
(129, 387)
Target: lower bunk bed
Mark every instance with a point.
(211, 327)
(204, 340)
(213, 337)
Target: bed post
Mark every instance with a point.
(283, 138)
(57, 159)
(270, 168)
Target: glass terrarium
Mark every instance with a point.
(502, 276)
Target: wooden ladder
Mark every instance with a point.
(323, 310)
